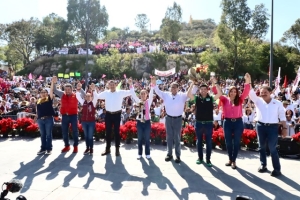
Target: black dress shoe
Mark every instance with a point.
(168, 158)
(262, 169)
(275, 173)
(177, 160)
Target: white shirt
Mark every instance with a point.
(174, 104)
(218, 117)
(114, 100)
(291, 129)
(267, 112)
(248, 119)
(157, 110)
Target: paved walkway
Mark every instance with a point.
(77, 177)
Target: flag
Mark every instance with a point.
(277, 81)
(296, 82)
(103, 76)
(285, 82)
(30, 76)
(40, 77)
(125, 76)
(119, 86)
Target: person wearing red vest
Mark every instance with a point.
(88, 119)
(68, 110)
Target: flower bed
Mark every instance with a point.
(189, 135)
(296, 138)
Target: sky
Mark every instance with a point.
(122, 12)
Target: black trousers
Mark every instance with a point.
(112, 120)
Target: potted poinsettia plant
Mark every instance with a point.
(296, 138)
(6, 127)
(249, 139)
(188, 135)
(129, 130)
(219, 138)
(157, 130)
(100, 131)
(22, 124)
(33, 130)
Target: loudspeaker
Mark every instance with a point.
(56, 131)
(287, 147)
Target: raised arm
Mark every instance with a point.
(156, 89)
(79, 98)
(247, 86)
(150, 99)
(93, 88)
(219, 91)
(79, 89)
(51, 90)
(126, 93)
(190, 92)
(55, 90)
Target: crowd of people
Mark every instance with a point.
(176, 102)
(131, 47)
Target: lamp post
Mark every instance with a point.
(87, 43)
(271, 48)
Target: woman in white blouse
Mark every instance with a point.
(143, 121)
(248, 119)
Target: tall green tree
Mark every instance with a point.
(53, 33)
(239, 27)
(171, 23)
(20, 36)
(141, 21)
(87, 17)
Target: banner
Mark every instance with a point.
(72, 74)
(60, 75)
(165, 73)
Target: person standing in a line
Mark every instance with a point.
(204, 118)
(174, 102)
(69, 111)
(113, 104)
(45, 121)
(233, 121)
(88, 117)
(143, 121)
(268, 111)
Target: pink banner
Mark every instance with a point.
(30, 76)
(125, 76)
(103, 76)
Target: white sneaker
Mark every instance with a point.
(148, 156)
(139, 157)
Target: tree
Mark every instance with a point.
(87, 18)
(53, 33)
(20, 36)
(141, 21)
(171, 23)
(292, 35)
(238, 28)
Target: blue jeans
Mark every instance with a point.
(46, 126)
(89, 129)
(268, 134)
(205, 128)
(65, 121)
(143, 132)
(233, 131)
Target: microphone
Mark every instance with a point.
(12, 186)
